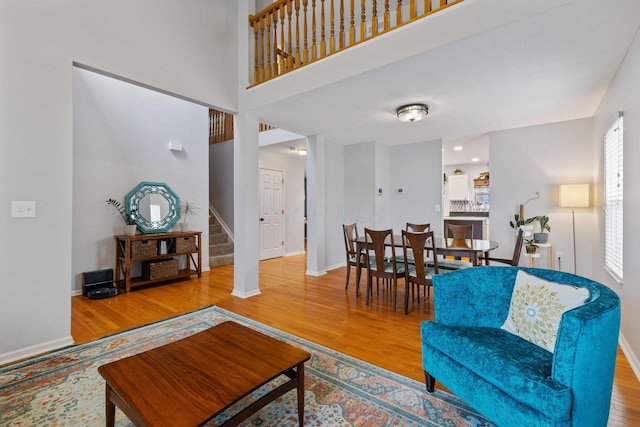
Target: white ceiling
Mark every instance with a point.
(550, 67)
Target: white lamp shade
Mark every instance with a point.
(574, 195)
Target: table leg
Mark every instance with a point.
(358, 269)
(110, 408)
(300, 371)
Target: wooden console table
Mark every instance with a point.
(147, 250)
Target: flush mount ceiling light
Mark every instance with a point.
(412, 112)
(302, 151)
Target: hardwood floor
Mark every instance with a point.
(315, 308)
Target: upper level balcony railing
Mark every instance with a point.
(290, 34)
(221, 126)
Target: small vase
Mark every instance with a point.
(184, 226)
(130, 229)
(530, 249)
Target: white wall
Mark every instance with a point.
(359, 185)
(382, 180)
(121, 135)
(221, 180)
(186, 47)
(293, 168)
(417, 168)
(623, 95)
(538, 159)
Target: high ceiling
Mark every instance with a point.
(552, 66)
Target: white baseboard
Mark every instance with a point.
(334, 266)
(295, 253)
(316, 273)
(34, 350)
(245, 294)
(222, 223)
(630, 355)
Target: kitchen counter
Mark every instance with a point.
(468, 218)
(469, 213)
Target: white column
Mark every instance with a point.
(245, 206)
(316, 206)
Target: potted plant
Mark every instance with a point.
(128, 217)
(542, 236)
(188, 210)
(458, 171)
(519, 221)
(531, 247)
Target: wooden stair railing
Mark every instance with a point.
(290, 34)
(221, 126)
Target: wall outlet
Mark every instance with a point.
(23, 209)
(560, 256)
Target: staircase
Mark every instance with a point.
(220, 246)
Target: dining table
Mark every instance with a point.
(468, 248)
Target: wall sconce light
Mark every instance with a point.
(412, 112)
(574, 196)
(175, 146)
(302, 151)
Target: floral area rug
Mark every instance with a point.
(63, 388)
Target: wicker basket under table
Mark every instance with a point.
(185, 244)
(159, 269)
(144, 248)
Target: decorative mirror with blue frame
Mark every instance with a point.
(156, 206)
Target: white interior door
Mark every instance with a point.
(271, 214)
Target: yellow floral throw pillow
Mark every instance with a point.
(537, 306)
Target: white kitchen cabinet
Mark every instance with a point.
(459, 187)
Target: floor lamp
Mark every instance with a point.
(574, 196)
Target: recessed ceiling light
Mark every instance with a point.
(475, 159)
(458, 147)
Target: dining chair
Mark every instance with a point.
(354, 259)
(515, 259)
(379, 265)
(415, 228)
(418, 228)
(461, 237)
(419, 273)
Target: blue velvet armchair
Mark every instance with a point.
(508, 379)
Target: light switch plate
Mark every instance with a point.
(23, 209)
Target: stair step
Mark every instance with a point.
(215, 228)
(221, 249)
(220, 260)
(218, 238)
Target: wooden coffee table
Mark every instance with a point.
(188, 382)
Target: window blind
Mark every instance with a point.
(613, 189)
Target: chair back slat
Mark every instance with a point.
(418, 243)
(350, 236)
(418, 228)
(460, 234)
(518, 248)
(376, 242)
